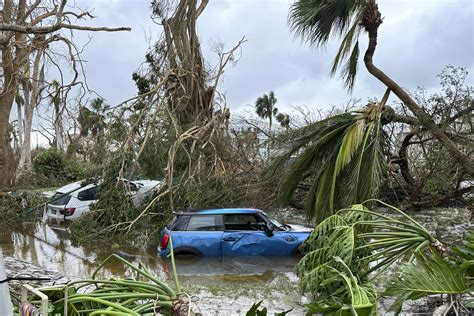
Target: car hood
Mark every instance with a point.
(300, 228)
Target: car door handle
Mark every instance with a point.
(229, 238)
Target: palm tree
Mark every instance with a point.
(342, 155)
(284, 120)
(265, 108)
(317, 21)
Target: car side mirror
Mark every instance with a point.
(269, 228)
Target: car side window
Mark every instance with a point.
(88, 195)
(242, 222)
(203, 223)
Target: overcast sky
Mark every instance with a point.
(416, 40)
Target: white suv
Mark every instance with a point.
(71, 201)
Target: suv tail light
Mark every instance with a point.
(68, 211)
(164, 241)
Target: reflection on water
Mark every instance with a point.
(49, 247)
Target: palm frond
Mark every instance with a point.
(358, 298)
(349, 72)
(466, 250)
(316, 21)
(427, 274)
(350, 248)
(342, 155)
(350, 143)
(313, 146)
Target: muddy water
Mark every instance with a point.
(226, 286)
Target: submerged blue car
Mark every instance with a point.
(231, 232)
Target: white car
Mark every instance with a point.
(71, 201)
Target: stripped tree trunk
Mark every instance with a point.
(21, 123)
(12, 57)
(58, 127)
(31, 101)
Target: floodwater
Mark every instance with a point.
(225, 286)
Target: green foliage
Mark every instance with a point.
(114, 210)
(92, 121)
(342, 154)
(14, 204)
(255, 311)
(353, 296)
(349, 249)
(96, 296)
(265, 105)
(427, 274)
(53, 164)
(466, 249)
(211, 193)
(283, 119)
(317, 21)
(114, 207)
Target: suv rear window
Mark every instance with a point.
(203, 223)
(60, 199)
(88, 195)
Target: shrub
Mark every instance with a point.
(50, 163)
(53, 164)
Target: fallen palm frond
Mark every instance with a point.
(427, 274)
(255, 311)
(349, 249)
(142, 295)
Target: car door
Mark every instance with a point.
(203, 234)
(244, 236)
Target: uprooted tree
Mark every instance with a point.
(27, 29)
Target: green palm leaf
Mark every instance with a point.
(316, 21)
(358, 299)
(342, 155)
(427, 274)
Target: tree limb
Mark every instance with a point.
(26, 29)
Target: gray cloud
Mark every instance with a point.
(416, 40)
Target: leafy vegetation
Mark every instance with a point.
(317, 21)
(53, 164)
(342, 154)
(178, 127)
(255, 311)
(347, 251)
(95, 296)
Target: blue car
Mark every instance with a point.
(231, 232)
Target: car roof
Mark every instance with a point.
(218, 211)
(75, 187)
(69, 187)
